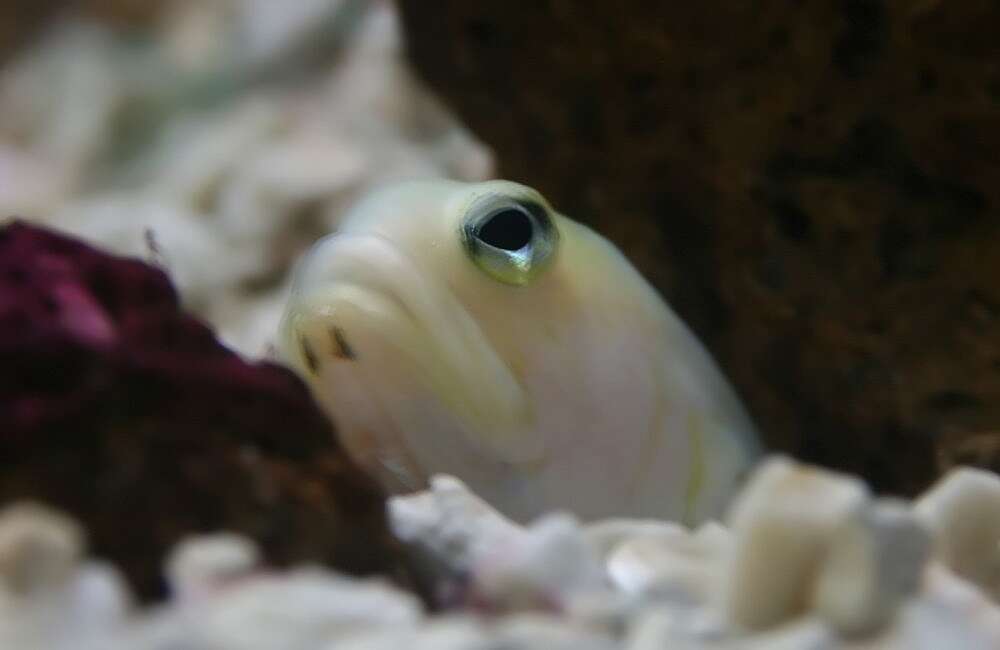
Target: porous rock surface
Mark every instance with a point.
(813, 185)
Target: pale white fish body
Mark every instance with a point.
(547, 376)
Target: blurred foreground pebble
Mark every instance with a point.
(861, 573)
(221, 143)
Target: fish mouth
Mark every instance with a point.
(359, 299)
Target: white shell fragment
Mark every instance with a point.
(607, 534)
(450, 524)
(303, 609)
(652, 630)
(963, 512)
(948, 613)
(676, 563)
(670, 626)
(835, 570)
(506, 565)
(440, 633)
(550, 561)
(49, 597)
(543, 632)
(875, 563)
(199, 564)
(801, 634)
(39, 547)
(782, 525)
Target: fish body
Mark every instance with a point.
(472, 330)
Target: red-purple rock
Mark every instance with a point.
(127, 412)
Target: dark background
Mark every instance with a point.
(813, 185)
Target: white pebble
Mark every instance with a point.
(802, 634)
(546, 566)
(950, 613)
(876, 561)
(658, 628)
(782, 522)
(39, 548)
(674, 563)
(605, 535)
(304, 608)
(539, 632)
(450, 525)
(200, 564)
(962, 512)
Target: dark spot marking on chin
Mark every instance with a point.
(312, 362)
(341, 349)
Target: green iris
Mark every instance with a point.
(510, 239)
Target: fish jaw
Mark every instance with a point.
(361, 302)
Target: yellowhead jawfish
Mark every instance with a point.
(470, 329)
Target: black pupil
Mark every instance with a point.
(509, 230)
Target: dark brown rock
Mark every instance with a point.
(127, 413)
(813, 185)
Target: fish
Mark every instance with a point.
(470, 329)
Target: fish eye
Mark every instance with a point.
(510, 239)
